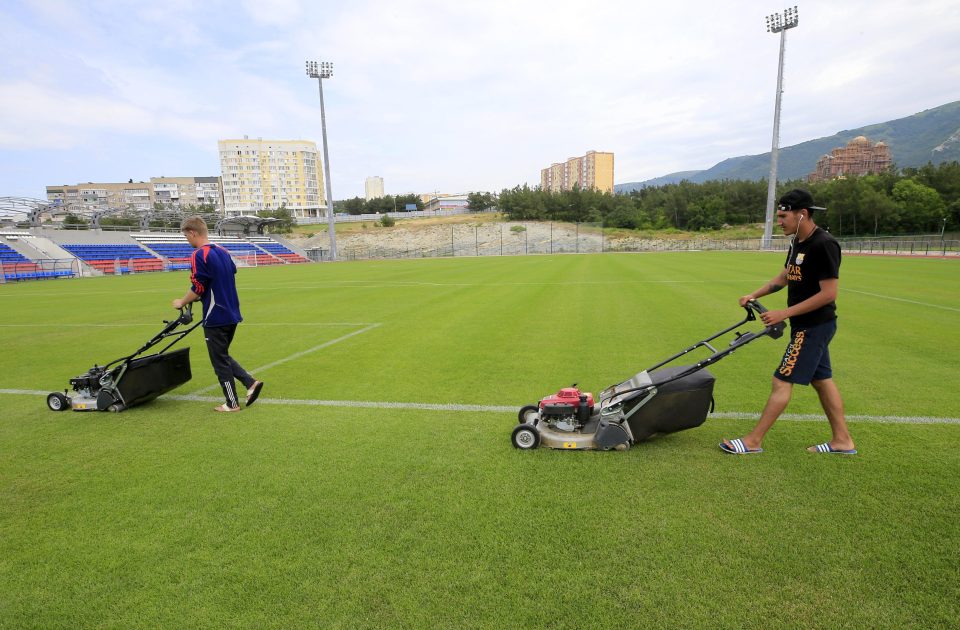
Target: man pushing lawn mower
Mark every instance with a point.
(811, 274)
(212, 282)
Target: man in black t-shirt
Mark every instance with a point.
(811, 274)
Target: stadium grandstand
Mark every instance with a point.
(45, 253)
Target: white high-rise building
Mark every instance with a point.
(266, 174)
(373, 187)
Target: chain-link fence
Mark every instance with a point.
(521, 239)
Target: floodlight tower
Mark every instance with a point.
(777, 23)
(320, 71)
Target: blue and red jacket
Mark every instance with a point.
(212, 278)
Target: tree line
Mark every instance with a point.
(908, 201)
(378, 205)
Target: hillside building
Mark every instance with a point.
(172, 192)
(267, 174)
(859, 157)
(591, 171)
(373, 187)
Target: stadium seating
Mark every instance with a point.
(115, 259)
(17, 267)
(247, 252)
(30, 271)
(276, 249)
(174, 248)
(10, 255)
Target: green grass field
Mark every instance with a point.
(317, 508)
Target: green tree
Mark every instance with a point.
(352, 206)
(480, 201)
(921, 206)
(409, 200)
(286, 221)
(75, 221)
(379, 205)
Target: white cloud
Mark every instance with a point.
(460, 95)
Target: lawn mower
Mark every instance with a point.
(660, 399)
(134, 379)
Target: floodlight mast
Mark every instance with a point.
(320, 71)
(777, 23)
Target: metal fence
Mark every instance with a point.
(341, 217)
(518, 239)
(916, 246)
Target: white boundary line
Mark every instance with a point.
(297, 355)
(362, 404)
(138, 324)
(896, 299)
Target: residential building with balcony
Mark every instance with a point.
(263, 174)
(174, 192)
(591, 171)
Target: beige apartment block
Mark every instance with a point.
(178, 192)
(593, 170)
(373, 188)
(186, 192)
(263, 174)
(103, 196)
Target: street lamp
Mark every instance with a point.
(320, 71)
(777, 23)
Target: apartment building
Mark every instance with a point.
(373, 187)
(593, 170)
(263, 174)
(176, 192)
(183, 192)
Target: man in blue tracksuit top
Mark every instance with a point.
(212, 282)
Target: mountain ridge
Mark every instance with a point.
(932, 135)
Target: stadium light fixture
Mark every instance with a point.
(320, 71)
(777, 23)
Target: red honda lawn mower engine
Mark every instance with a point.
(567, 410)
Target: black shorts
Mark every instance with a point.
(807, 357)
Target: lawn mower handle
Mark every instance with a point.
(752, 308)
(169, 331)
(775, 331)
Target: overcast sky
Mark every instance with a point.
(449, 95)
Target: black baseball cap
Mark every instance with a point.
(798, 199)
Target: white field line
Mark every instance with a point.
(131, 325)
(297, 355)
(896, 299)
(512, 409)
